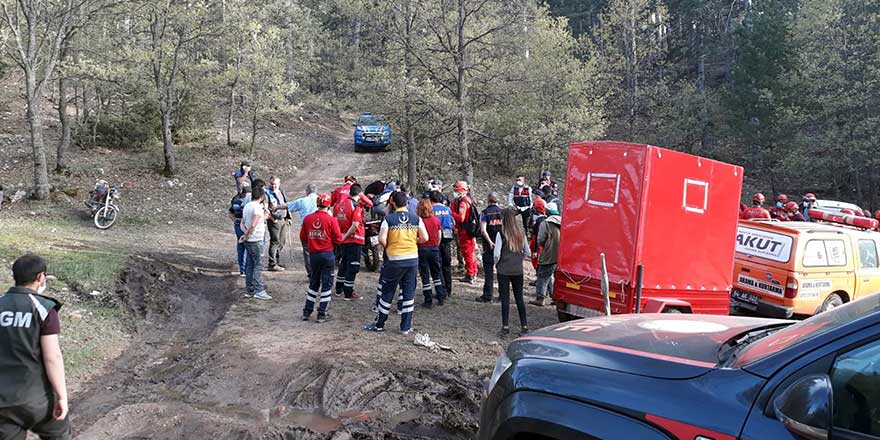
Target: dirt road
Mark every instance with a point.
(210, 364)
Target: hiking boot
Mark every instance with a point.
(353, 297)
(275, 268)
(323, 318)
(483, 299)
(262, 295)
(373, 328)
(427, 305)
(524, 331)
(307, 317)
(504, 331)
(538, 302)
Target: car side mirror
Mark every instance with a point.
(805, 407)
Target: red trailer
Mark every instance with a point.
(672, 213)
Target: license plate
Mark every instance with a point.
(374, 241)
(746, 297)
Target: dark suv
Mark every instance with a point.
(692, 377)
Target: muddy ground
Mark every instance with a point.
(207, 363)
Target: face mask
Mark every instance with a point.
(458, 195)
(779, 204)
(42, 287)
(520, 183)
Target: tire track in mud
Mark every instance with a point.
(208, 364)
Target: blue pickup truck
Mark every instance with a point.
(371, 132)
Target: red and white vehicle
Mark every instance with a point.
(671, 213)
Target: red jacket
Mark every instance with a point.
(321, 231)
(754, 212)
(432, 225)
(340, 193)
(461, 209)
(347, 212)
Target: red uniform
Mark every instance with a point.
(321, 231)
(340, 193)
(432, 225)
(461, 209)
(347, 212)
(754, 213)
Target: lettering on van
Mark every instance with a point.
(812, 289)
(763, 244)
(773, 289)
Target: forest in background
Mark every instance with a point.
(789, 89)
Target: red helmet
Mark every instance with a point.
(461, 187)
(324, 200)
(539, 205)
(847, 211)
(810, 196)
(791, 207)
(350, 179)
(782, 198)
(758, 198)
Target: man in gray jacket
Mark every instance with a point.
(548, 242)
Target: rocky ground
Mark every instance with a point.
(202, 361)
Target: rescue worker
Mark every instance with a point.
(462, 206)
(243, 175)
(756, 211)
(540, 210)
(490, 227)
(444, 214)
(304, 206)
(400, 235)
(807, 203)
(548, 241)
(521, 198)
(321, 231)
(278, 223)
(33, 389)
(342, 191)
(236, 208)
(778, 211)
(793, 214)
(429, 256)
(349, 214)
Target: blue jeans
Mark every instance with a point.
(242, 255)
(253, 268)
(394, 273)
(320, 283)
(429, 268)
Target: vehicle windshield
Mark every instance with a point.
(370, 120)
(808, 329)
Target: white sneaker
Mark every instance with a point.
(262, 295)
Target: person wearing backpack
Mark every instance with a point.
(490, 227)
(548, 242)
(467, 225)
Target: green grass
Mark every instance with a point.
(93, 330)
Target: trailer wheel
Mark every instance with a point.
(565, 316)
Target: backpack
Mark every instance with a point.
(471, 224)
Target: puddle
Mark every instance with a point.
(305, 419)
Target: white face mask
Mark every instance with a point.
(42, 287)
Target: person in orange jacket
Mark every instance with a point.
(540, 209)
(462, 206)
(756, 211)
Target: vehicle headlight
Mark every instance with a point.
(501, 365)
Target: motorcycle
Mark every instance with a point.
(372, 248)
(102, 204)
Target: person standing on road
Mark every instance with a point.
(461, 213)
(278, 224)
(244, 175)
(321, 233)
(548, 242)
(400, 235)
(349, 213)
(342, 191)
(304, 206)
(253, 222)
(490, 227)
(429, 256)
(236, 209)
(33, 388)
(442, 212)
(511, 248)
(521, 198)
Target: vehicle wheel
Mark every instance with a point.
(565, 316)
(833, 300)
(106, 217)
(373, 259)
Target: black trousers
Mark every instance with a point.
(446, 265)
(488, 271)
(348, 268)
(504, 284)
(36, 417)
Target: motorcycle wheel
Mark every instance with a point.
(106, 217)
(373, 258)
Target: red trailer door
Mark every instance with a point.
(602, 194)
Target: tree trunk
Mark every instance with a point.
(229, 115)
(408, 122)
(35, 126)
(168, 143)
(64, 143)
(254, 127)
(462, 122)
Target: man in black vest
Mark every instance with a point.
(33, 392)
(490, 226)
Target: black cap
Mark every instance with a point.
(245, 163)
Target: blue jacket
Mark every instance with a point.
(304, 206)
(443, 213)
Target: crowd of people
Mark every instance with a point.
(416, 233)
(786, 210)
